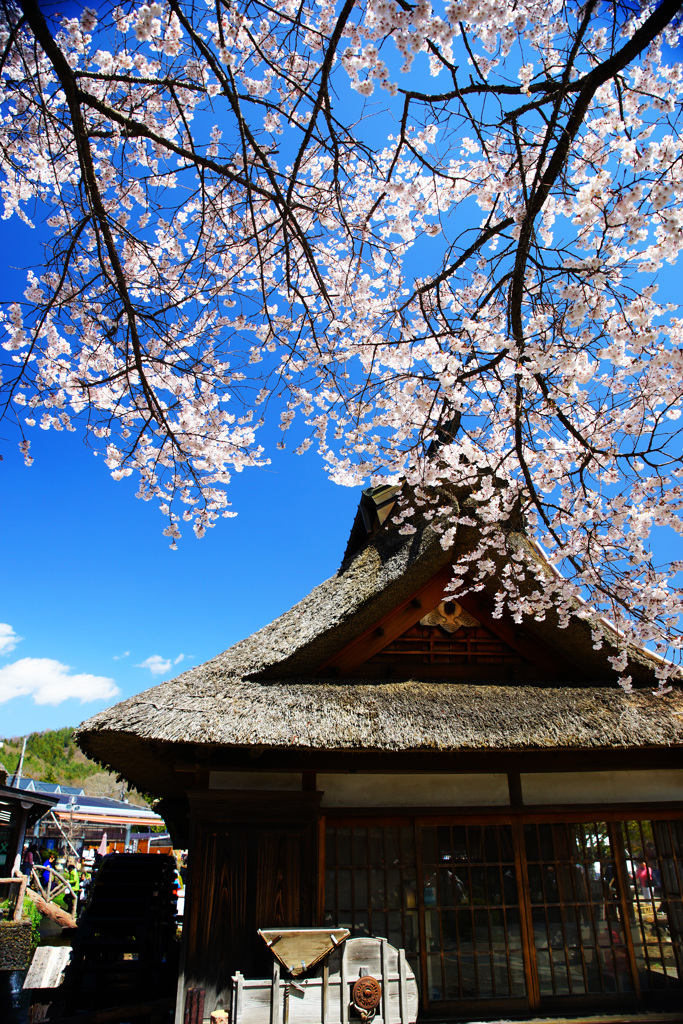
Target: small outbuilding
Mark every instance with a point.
(20, 810)
(383, 759)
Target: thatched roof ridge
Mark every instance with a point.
(380, 576)
(384, 573)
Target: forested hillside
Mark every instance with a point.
(53, 756)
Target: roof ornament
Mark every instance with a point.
(450, 616)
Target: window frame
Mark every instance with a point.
(516, 818)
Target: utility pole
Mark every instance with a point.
(17, 774)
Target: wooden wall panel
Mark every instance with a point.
(252, 866)
(278, 886)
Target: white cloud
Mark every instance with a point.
(156, 664)
(8, 638)
(176, 661)
(49, 682)
(117, 657)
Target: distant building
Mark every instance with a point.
(84, 819)
(20, 812)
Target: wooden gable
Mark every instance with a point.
(432, 636)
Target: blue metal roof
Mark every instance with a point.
(84, 802)
(52, 788)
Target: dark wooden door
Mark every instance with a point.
(242, 877)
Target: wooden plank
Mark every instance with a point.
(384, 1000)
(47, 967)
(275, 994)
(344, 988)
(326, 994)
(402, 987)
(299, 949)
(325, 999)
(305, 1001)
(239, 980)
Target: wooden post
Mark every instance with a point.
(326, 982)
(194, 1006)
(275, 994)
(344, 989)
(384, 1003)
(189, 1006)
(199, 1008)
(237, 995)
(402, 987)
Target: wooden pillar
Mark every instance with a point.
(252, 864)
(17, 842)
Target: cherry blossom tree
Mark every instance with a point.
(427, 236)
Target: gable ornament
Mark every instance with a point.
(449, 616)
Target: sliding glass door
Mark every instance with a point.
(517, 913)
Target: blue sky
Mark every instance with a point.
(89, 583)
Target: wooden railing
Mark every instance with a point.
(56, 886)
(21, 881)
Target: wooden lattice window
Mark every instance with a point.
(371, 884)
(577, 920)
(654, 877)
(471, 908)
(430, 645)
(520, 913)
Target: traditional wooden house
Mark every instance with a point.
(479, 792)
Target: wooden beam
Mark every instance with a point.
(388, 628)
(515, 789)
(479, 605)
(467, 761)
(51, 910)
(406, 669)
(420, 603)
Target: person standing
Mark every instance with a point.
(48, 867)
(27, 862)
(644, 878)
(83, 886)
(74, 883)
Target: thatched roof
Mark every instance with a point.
(408, 716)
(263, 692)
